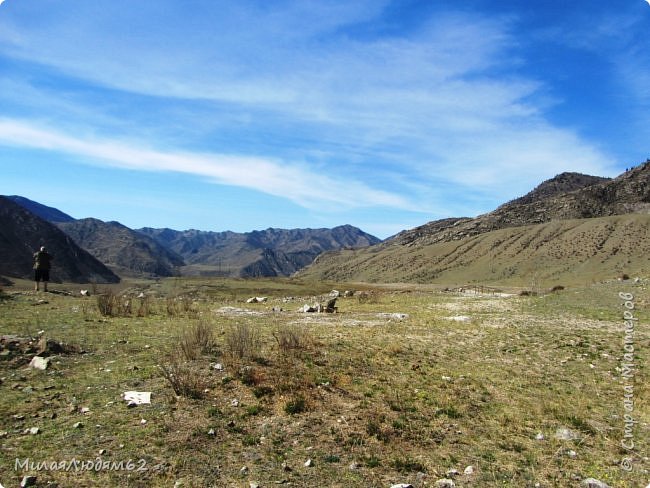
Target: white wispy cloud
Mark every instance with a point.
(444, 104)
(278, 178)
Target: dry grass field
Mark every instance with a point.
(405, 384)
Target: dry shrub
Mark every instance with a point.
(291, 339)
(177, 306)
(145, 306)
(185, 378)
(242, 341)
(196, 340)
(112, 305)
(367, 297)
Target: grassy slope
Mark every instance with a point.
(397, 397)
(558, 252)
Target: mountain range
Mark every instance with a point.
(570, 228)
(152, 252)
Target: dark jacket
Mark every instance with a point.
(42, 260)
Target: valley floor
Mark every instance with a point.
(404, 384)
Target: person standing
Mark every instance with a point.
(42, 264)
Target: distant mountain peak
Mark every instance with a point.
(43, 211)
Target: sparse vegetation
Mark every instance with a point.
(394, 398)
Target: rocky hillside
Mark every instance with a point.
(22, 233)
(270, 252)
(126, 251)
(567, 196)
(557, 231)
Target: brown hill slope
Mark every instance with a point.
(22, 233)
(556, 232)
(125, 250)
(566, 252)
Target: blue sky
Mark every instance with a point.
(242, 115)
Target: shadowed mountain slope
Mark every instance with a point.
(270, 252)
(22, 233)
(125, 250)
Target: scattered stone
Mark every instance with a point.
(253, 485)
(78, 425)
(257, 300)
(402, 485)
(460, 318)
(286, 467)
(28, 481)
(137, 397)
(244, 470)
(4, 434)
(354, 466)
(277, 309)
(445, 483)
(217, 366)
(84, 410)
(565, 434)
(348, 293)
(572, 454)
(452, 472)
(335, 293)
(234, 402)
(469, 470)
(211, 432)
(38, 362)
(102, 452)
(34, 431)
(309, 463)
(85, 293)
(539, 437)
(593, 483)
(143, 421)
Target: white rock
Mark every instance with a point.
(593, 483)
(34, 430)
(39, 362)
(78, 425)
(565, 434)
(309, 463)
(460, 318)
(402, 485)
(234, 402)
(143, 421)
(243, 470)
(452, 472)
(28, 481)
(137, 397)
(445, 483)
(469, 470)
(572, 454)
(211, 432)
(539, 436)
